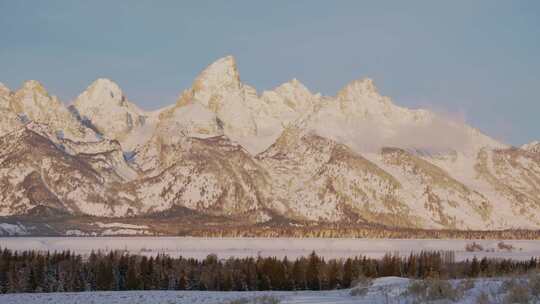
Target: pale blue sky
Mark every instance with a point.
(480, 59)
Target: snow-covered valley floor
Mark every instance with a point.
(279, 247)
(388, 290)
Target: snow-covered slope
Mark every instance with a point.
(316, 178)
(285, 154)
(37, 172)
(212, 175)
(396, 290)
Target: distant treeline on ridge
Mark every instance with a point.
(356, 231)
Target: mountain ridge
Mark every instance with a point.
(225, 150)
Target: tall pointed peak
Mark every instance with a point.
(104, 82)
(34, 85)
(292, 88)
(223, 73)
(31, 89)
(103, 92)
(105, 106)
(105, 89)
(360, 87)
(294, 83)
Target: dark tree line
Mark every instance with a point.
(33, 271)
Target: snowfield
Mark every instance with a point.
(177, 297)
(279, 247)
(391, 290)
(11, 229)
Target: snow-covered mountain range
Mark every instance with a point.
(287, 154)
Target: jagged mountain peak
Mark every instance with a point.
(360, 87)
(295, 95)
(293, 85)
(103, 90)
(104, 105)
(33, 86)
(223, 73)
(33, 94)
(32, 102)
(34, 98)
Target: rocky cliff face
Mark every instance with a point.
(287, 154)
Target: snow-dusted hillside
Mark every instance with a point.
(285, 155)
(391, 290)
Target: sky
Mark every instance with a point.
(476, 60)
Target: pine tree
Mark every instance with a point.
(104, 276)
(475, 268)
(132, 279)
(288, 281)
(412, 268)
(313, 279)
(333, 280)
(348, 275)
(182, 281)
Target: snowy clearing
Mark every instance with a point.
(279, 247)
(11, 229)
(389, 290)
